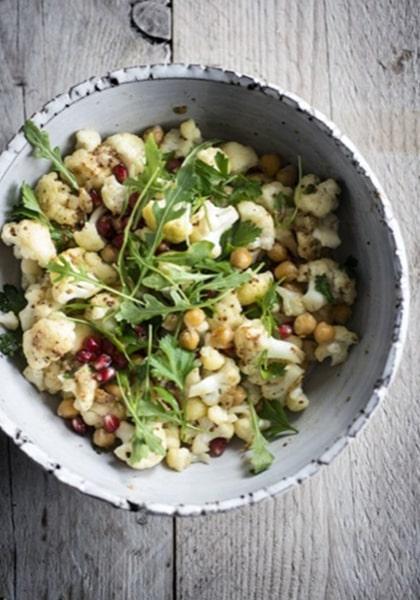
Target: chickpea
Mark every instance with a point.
(103, 439)
(341, 313)
(287, 176)
(66, 409)
(286, 270)
(178, 458)
(304, 324)
(195, 409)
(211, 359)
(241, 258)
(109, 254)
(157, 133)
(189, 339)
(103, 397)
(221, 337)
(270, 164)
(194, 318)
(278, 253)
(114, 389)
(324, 333)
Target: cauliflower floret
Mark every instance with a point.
(35, 376)
(85, 388)
(48, 340)
(269, 194)
(178, 458)
(241, 158)
(40, 303)
(210, 222)
(59, 203)
(100, 305)
(88, 237)
(175, 231)
(210, 388)
(255, 289)
(279, 389)
(130, 148)
(297, 400)
(251, 339)
(30, 240)
(9, 320)
(31, 272)
(66, 289)
(342, 287)
(113, 195)
(286, 238)
(83, 165)
(326, 232)
(338, 348)
(182, 140)
(292, 302)
(104, 404)
(88, 139)
(125, 433)
(227, 311)
(211, 359)
(259, 216)
(208, 156)
(315, 234)
(315, 197)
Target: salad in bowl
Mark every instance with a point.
(175, 292)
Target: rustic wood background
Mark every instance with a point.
(353, 530)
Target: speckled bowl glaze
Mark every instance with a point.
(229, 106)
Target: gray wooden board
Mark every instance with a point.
(353, 530)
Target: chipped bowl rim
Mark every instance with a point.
(96, 85)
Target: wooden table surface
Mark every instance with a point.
(352, 531)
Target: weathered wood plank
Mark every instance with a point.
(55, 542)
(352, 531)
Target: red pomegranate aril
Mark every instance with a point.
(173, 164)
(93, 344)
(84, 356)
(105, 227)
(118, 241)
(79, 426)
(105, 375)
(103, 361)
(217, 447)
(111, 423)
(96, 198)
(133, 199)
(119, 361)
(120, 172)
(285, 330)
(140, 330)
(108, 347)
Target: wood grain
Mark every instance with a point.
(54, 542)
(352, 531)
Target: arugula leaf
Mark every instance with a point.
(269, 370)
(323, 287)
(196, 253)
(10, 342)
(149, 308)
(172, 363)
(222, 163)
(273, 411)
(12, 299)
(266, 305)
(154, 168)
(261, 458)
(240, 235)
(40, 141)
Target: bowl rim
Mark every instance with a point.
(96, 85)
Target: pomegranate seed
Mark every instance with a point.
(118, 240)
(103, 361)
(108, 347)
(140, 330)
(285, 330)
(92, 344)
(173, 164)
(105, 375)
(79, 425)
(119, 361)
(111, 423)
(133, 199)
(96, 198)
(84, 356)
(120, 172)
(105, 227)
(217, 446)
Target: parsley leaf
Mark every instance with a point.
(244, 189)
(240, 235)
(261, 458)
(12, 299)
(40, 141)
(322, 286)
(10, 342)
(172, 363)
(273, 411)
(269, 370)
(266, 305)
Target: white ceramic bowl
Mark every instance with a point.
(228, 106)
